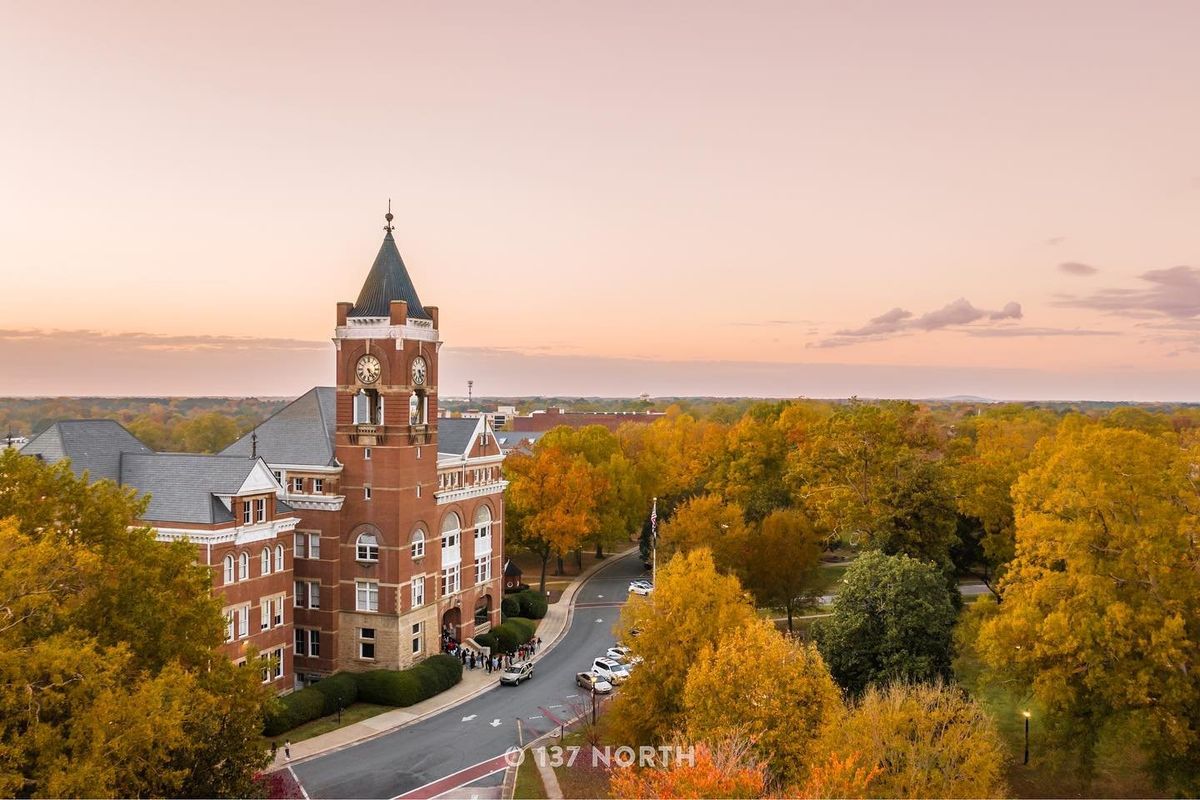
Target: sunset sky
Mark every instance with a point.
(909, 199)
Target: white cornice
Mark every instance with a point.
(315, 502)
(418, 330)
(242, 534)
(453, 495)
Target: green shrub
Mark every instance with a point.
(509, 607)
(507, 638)
(339, 687)
(524, 627)
(388, 687)
(449, 668)
(532, 605)
(297, 708)
(485, 640)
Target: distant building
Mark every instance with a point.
(518, 441)
(13, 440)
(553, 417)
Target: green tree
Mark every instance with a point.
(207, 433)
(693, 606)
(1101, 605)
(892, 620)
(112, 682)
(925, 741)
(775, 692)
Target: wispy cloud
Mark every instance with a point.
(899, 321)
(1173, 293)
(999, 333)
(1076, 268)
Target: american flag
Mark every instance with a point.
(654, 520)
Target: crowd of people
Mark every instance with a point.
(472, 659)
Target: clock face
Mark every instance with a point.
(418, 371)
(368, 369)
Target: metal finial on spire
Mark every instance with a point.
(388, 216)
(254, 445)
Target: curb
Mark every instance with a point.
(546, 647)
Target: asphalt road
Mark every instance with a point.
(484, 726)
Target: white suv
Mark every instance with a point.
(610, 670)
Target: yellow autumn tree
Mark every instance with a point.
(724, 770)
(926, 740)
(693, 606)
(1101, 605)
(707, 521)
(775, 692)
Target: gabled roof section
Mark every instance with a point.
(455, 435)
(94, 446)
(388, 280)
(184, 487)
(302, 432)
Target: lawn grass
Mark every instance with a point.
(1048, 774)
(355, 713)
(529, 782)
(581, 779)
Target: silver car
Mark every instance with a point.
(521, 671)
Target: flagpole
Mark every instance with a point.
(654, 544)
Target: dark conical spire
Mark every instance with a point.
(388, 280)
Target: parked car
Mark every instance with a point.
(610, 670)
(623, 655)
(521, 671)
(641, 587)
(592, 682)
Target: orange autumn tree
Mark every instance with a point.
(725, 770)
(837, 776)
(551, 502)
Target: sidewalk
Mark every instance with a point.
(474, 682)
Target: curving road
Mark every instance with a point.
(451, 747)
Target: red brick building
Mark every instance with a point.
(353, 529)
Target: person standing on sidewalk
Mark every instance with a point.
(287, 750)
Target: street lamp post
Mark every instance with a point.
(1026, 715)
(593, 705)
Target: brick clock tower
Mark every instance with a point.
(402, 585)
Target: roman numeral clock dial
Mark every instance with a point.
(368, 368)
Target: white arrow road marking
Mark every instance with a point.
(557, 706)
(599, 595)
(568, 697)
(468, 719)
(539, 716)
(599, 620)
(495, 723)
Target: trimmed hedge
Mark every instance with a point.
(524, 627)
(340, 687)
(297, 708)
(509, 607)
(531, 604)
(385, 687)
(487, 640)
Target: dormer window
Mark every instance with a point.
(260, 509)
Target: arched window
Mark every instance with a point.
(367, 547)
(243, 566)
(483, 522)
(266, 561)
(279, 558)
(229, 569)
(417, 543)
(450, 530)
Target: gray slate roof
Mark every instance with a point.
(454, 435)
(94, 446)
(182, 485)
(388, 280)
(302, 432)
(510, 439)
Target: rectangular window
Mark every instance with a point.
(244, 622)
(416, 640)
(229, 625)
(314, 594)
(301, 642)
(260, 509)
(366, 595)
(418, 490)
(314, 643)
(418, 591)
(318, 485)
(298, 550)
(278, 475)
(314, 545)
(451, 579)
(300, 595)
(278, 663)
(366, 643)
(246, 513)
(366, 493)
(298, 485)
(418, 452)
(265, 607)
(366, 454)
(277, 608)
